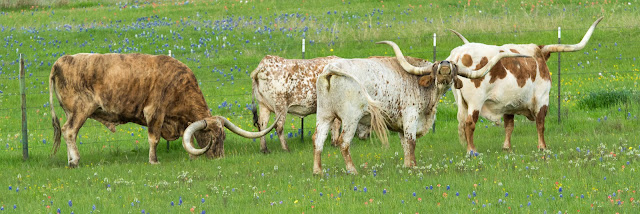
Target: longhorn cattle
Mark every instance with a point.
(383, 92)
(513, 86)
(288, 86)
(159, 92)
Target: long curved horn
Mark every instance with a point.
(471, 74)
(460, 36)
(576, 47)
(188, 133)
(403, 62)
(247, 134)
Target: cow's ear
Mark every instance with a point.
(457, 83)
(425, 81)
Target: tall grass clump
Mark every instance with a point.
(606, 98)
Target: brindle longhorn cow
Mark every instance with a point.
(512, 86)
(289, 86)
(159, 92)
(384, 92)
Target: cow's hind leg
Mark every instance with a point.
(508, 129)
(335, 132)
(542, 113)
(263, 122)
(322, 130)
(348, 132)
(280, 130)
(70, 130)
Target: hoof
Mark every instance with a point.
(506, 149)
(317, 171)
(73, 164)
(352, 171)
(154, 162)
(472, 153)
(265, 151)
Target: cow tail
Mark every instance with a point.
(54, 119)
(254, 107)
(378, 123)
(254, 110)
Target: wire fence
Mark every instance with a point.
(229, 101)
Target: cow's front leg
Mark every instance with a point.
(153, 145)
(263, 122)
(408, 147)
(408, 136)
(154, 123)
(542, 113)
(470, 127)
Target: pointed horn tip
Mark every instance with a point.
(598, 20)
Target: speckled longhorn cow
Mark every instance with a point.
(383, 92)
(513, 86)
(159, 92)
(289, 86)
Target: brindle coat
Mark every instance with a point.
(159, 92)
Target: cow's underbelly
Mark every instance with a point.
(110, 120)
(301, 111)
(493, 110)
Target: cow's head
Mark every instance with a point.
(210, 135)
(445, 72)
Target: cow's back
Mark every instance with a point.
(389, 84)
(123, 85)
(288, 83)
(513, 86)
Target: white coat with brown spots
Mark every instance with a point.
(513, 86)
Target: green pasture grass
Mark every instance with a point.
(590, 165)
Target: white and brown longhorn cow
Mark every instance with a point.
(513, 86)
(159, 92)
(383, 92)
(288, 86)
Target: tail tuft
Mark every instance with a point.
(378, 123)
(54, 119)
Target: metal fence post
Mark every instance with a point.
(25, 141)
(302, 119)
(433, 127)
(559, 84)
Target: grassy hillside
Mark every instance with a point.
(590, 166)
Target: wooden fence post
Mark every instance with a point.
(25, 141)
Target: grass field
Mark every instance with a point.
(591, 165)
